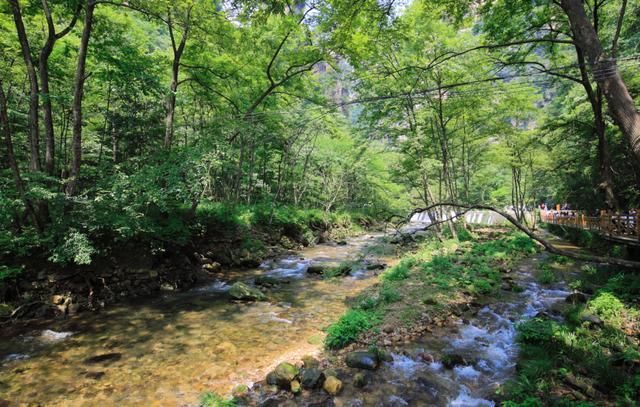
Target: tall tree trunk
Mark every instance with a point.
(606, 74)
(34, 138)
(170, 104)
(595, 97)
(79, 79)
(43, 68)
(604, 156)
(11, 158)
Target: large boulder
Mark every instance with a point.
(242, 292)
(363, 360)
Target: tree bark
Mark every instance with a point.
(79, 80)
(43, 68)
(606, 74)
(11, 158)
(170, 105)
(34, 137)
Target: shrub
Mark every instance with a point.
(546, 276)
(400, 271)
(349, 327)
(606, 305)
(537, 331)
(388, 294)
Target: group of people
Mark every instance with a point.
(621, 222)
(562, 210)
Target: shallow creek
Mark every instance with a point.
(487, 341)
(171, 349)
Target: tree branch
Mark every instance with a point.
(544, 243)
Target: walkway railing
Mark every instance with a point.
(616, 225)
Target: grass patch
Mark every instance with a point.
(349, 327)
(211, 399)
(435, 275)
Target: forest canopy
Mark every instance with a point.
(134, 120)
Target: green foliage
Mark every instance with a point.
(538, 331)
(9, 273)
(388, 293)
(607, 306)
(76, 248)
(400, 271)
(211, 399)
(551, 350)
(546, 274)
(349, 327)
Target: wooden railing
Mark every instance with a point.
(623, 226)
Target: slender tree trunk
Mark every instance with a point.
(170, 105)
(606, 74)
(79, 80)
(604, 156)
(43, 62)
(34, 137)
(11, 158)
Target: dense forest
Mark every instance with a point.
(127, 120)
(204, 134)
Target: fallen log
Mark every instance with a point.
(541, 241)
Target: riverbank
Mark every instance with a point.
(175, 346)
(217, 239)
(400, 325)
(476, 322)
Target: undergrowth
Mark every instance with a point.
(428, 278)
(596, 345)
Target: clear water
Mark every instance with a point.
(173, 348)
(487, 341)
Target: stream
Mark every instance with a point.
(486, 341)
(171, 349)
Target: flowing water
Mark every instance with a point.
(486, 341)
(171, 349)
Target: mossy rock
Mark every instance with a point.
(241, 291)
(362, 360)
(332, 385)
(240, 391)
(283, 375)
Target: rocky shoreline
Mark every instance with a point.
(45, 292)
